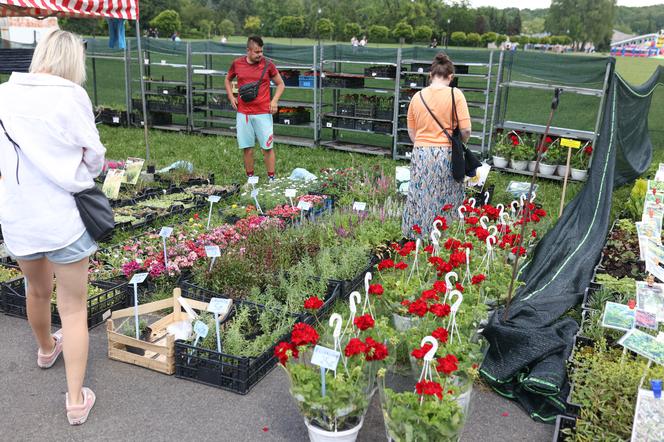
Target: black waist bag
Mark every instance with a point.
(93, 206)
(248, 92)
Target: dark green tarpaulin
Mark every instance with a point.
(528, 351)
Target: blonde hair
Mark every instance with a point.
(60, 53)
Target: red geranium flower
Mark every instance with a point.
(459, 287)
(197, 216)
(376, 289)
(420, 352)
(429, 388)
(313, 303)
(376, 351)
(418, 308)
(533, 234)
(440, 286)
(304, 334)
(448, 364)
(385, 264)
(281, 352)
(436, 260)
(477, 279)
(441, 334)
(429, 249)
(440, 310)
(355, 347)
(417, 229)
(430, 294)
(401, 266)
(472, 220)
(522, 251)
(447, 207)
(364, 322)
(548, 140)
(588, 150)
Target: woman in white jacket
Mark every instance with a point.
(50, 149)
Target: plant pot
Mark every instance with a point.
(319, 435)
(151, 169)
(500, 161)
(579, 174)
(547, 169)
(532, 165)
(403, 323)
(562, 170)
(519, 164)
(465, 386)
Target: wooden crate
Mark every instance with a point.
(160, 350)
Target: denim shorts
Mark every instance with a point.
(83, 247)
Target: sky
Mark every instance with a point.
(541, 4)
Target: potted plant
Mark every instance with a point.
(580, 162)
(502, 151)
(128, 328)
(522, 152)
(548, 160)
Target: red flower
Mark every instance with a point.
(429, 388)
(429, 249)
(401, 266)
(364, 322)
(376, 289)
(588, 150)
(533, 234)
(515, 142)
(472, 220)
(548, 140)
(313, 303)
(376, 351)
(440, 286)
(631, 304)
(418, 308)
(440, 310)
(447, 207)
(443, 221)
(405, 302)
(304, 334)
(477, 279)
(197, 216)
(448, 364)
(430, 294)
(355, 347)
(417, 229)
(281, 352)
(540, 212)
(522, 251)
(436, 260)
(419, 353)
(459, 287)
(385, 264)
(441, 334)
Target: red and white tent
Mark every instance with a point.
(127, 9)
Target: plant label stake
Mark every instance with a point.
(490, 240)
(426, 373)
(326, 359)
(504, 220)
(135, 280)
(254, 195)
(359, 206)
(418, 242)
(253, 180)
(483, 222)
(449, 284)
(212, 199)
(290, 194)
(220, 307)
(367, 303)
(165, 232)
(201, 330)
(304, 206)
(212, 252)
(569, 144)
(452, 325)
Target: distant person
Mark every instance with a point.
(355, 43)
(175, 34)
(434, 43)
(254, 118)
(224, 40)
(49, 150)
(364, 41)
(177, 37)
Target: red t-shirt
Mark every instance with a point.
(247, 73)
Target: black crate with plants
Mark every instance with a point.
(292, 115)
(387, 71)
(415, 80)
(349, 81)
(384, 108)
(382, 127)
(110, 116)
(291, 77)
(366, 125)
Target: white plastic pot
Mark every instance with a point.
(562, 170)
(500, 161)
(319, 435)
(547, 169)
(519, 165)
(531, 166)
(579, 174)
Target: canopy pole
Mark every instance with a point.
(140, 70)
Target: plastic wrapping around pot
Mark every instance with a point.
(317, 434)
(403, 323)
(519, 165)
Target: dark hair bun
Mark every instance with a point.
(442, 58)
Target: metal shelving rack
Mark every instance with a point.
(211, 120)
(480, 109)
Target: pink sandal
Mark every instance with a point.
(78, 414)
(47, 361)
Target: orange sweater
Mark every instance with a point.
(427, 131)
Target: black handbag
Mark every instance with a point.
(464, 161)
(248, 92)
(93, 206)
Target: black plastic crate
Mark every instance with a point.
(407, 94)
(291, 77)
(364, 111)
(414, 80)
(384, 114)
(563, 422)
(382, 127)
(364, 125)
(112, 117)
(99, 307)
(343, 81)
(346, 109)
(341, 123)
(381, 71)
(420, 67)
(348, 286)
(403, 137)
(300, 117)
(238, 374)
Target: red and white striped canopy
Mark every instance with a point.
(127, 9)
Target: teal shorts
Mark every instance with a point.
(83, 247)
(252, 127)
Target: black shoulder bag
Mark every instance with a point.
(92, 204)
(464, 162)
(248, 92)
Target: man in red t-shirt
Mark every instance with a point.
(254, 118)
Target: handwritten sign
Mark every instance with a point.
(254, 193)
(201, 329)
(566, 142)
(325, 357)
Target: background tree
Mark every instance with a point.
(422, 33)
(458, 38)
(291, 26)
(206, 27)
(403, 30)
(352, 30)
(325, 27)
(378, 33)
(226, 27)
(167, 22)
(252, 25)
(489, 37)
(501, 39)
(473, 39)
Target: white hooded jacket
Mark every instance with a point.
(60, 153)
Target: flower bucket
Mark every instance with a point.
(500, 161)
(519, 165)
(547, 169)
(579, 174)
(465, 386)
(403, 323)
(532, 165)
(561, 170)
(317, 434)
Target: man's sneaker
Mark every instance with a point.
(78, 414)
(47, 361)
(270, 179)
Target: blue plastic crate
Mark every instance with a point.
(306, 81)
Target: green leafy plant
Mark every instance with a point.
(634, 205)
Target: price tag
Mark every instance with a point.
(214, 198)
(116, 120)
(420, 70)
(253, 180)
(413, 85)
(304, 205)
(360, 207)
(254, 193)
(373, 74)
(290, 193)
(138, 278)
(201, 329)
(106, 315)
(286, 121)
(212, 251)
(566, 142)
(165, 232)
(163, 61)
(146, 61)
(165, 91)
(328, 124)
(325, 358)
(220, 306)
(187, 308)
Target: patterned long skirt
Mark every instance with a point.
(431, 187)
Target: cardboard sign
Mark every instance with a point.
(212, 251)
(253, 180)
(325, 358)
(201, 329)
(566, 142)
(304, 205)
(138, 278)
(648, 417)
(165, 232)
(133, 168)
(290, 193)
(214, 198)
(359, 206)
(112, 183)
(220, 306)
